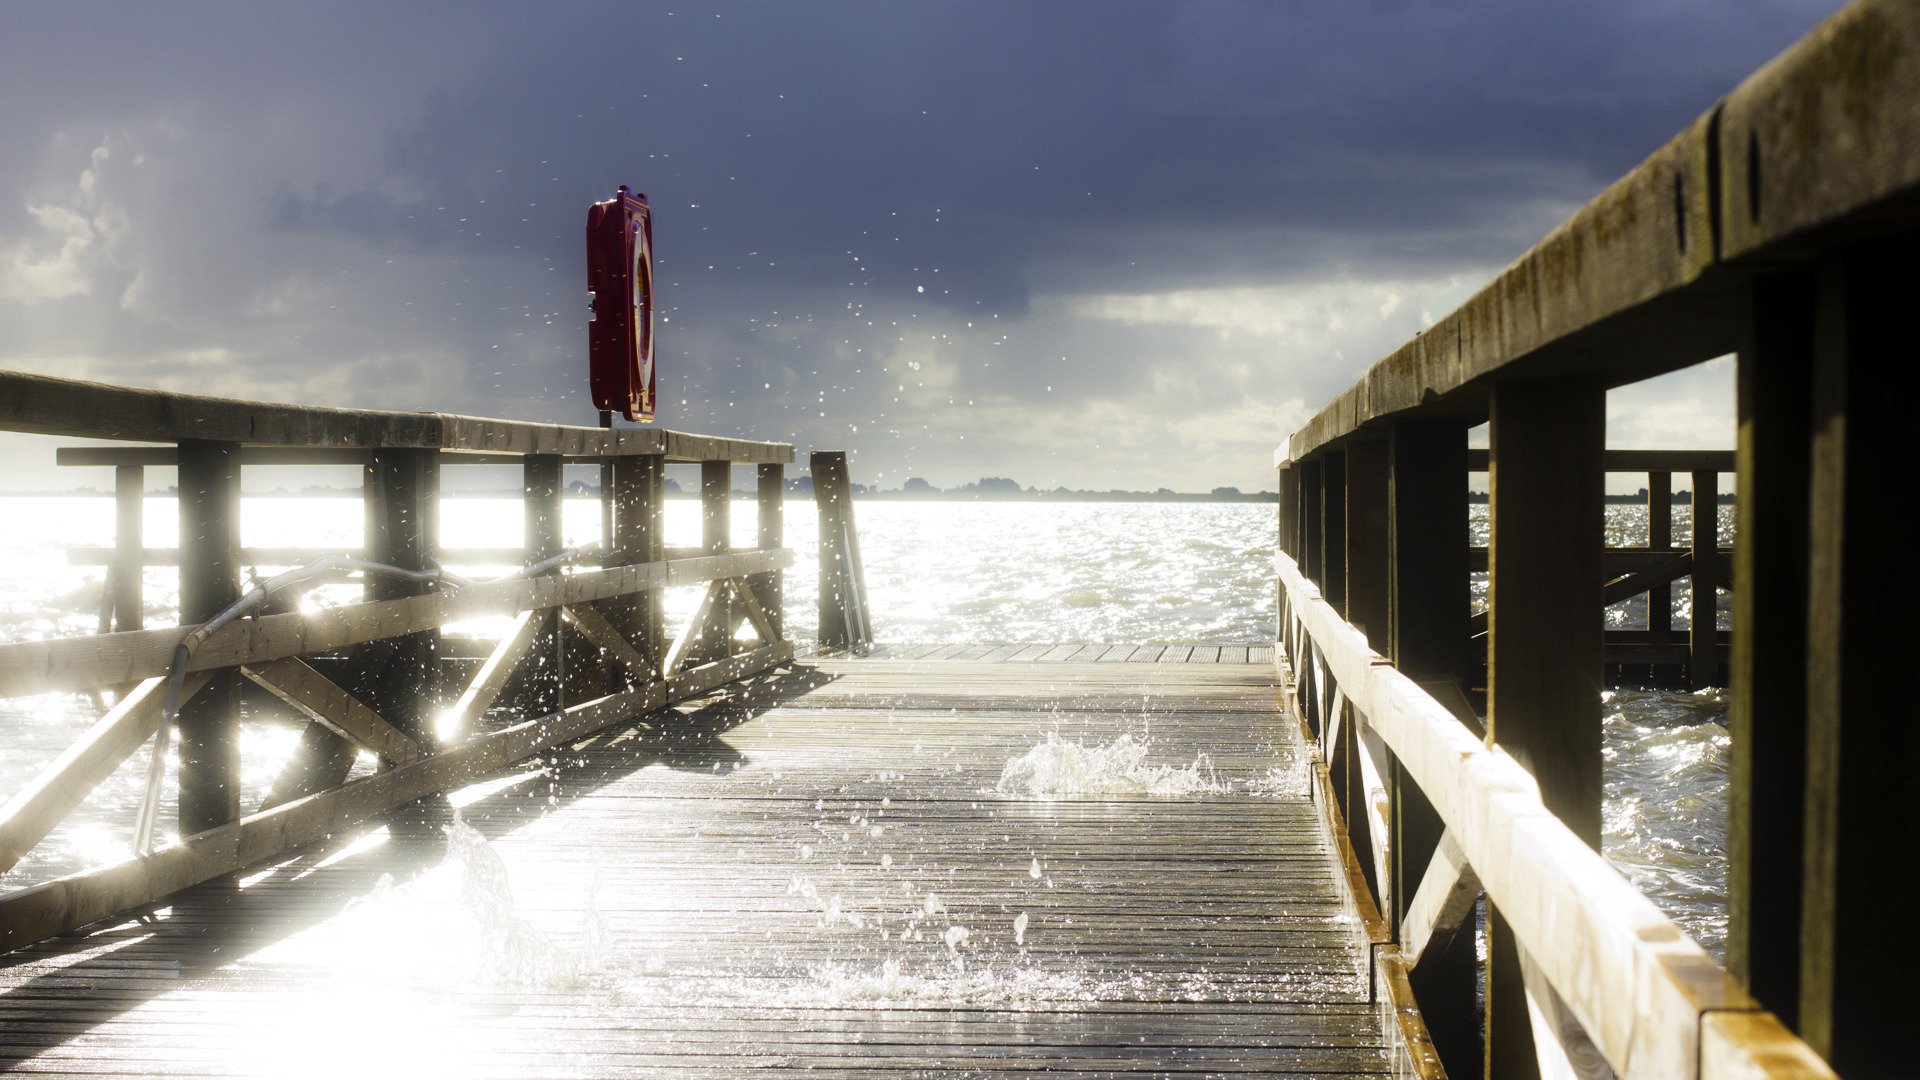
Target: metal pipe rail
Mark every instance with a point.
(1608, 978)
(365, 674)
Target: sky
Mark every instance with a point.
(1099, 245)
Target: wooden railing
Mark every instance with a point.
(1777, 227)
(365, 674)
(1607, 980)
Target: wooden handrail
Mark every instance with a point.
(388, 706)
(36, 667)
(1816, 147)
(70, 407)
(1650, 999)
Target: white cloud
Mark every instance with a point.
(1290, 312)
(77, 237)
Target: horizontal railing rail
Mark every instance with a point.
(1814, 151)
(1609, 978)
(1778, 228)
(585, 645)
(48, 405)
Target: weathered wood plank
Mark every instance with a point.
(41, 911)
(1442, 902)
(487, 683)
(1616, 270)
(76, 408)
(1766, 718)
(209, 724)
(1173, 934)
(1647, 461)
(1821, 141)
(1862, 716)
(1637, 984)
(297, 684)
(67, 781)
(29, 667)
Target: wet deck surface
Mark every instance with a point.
(781, 884)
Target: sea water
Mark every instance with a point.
(953, 572)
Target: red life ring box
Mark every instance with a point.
(620, 282)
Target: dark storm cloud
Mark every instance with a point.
(385, 204)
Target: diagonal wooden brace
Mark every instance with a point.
(597, 629)
(295, 682)
(71, 777)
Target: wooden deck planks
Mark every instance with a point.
(753, 870)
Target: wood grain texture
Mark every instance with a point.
(31, 667)
(1636, 983)
(1815, 149)
(72, 407)
(1200, 934)
(38, 912)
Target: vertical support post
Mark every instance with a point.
(1310, 539)
(209, 582)
(843, 588)
(403, 533)
(1545, 650)
(1368, 604)
(1311, 565)
(606, 488)
(716, 524)
(1367, 607)
(639, 536)
(771, 586)
(543, 495)
(1660, 536)
(1767, 718)
(126, 580)
(324, 758)
(1430, 602)
(1289, 509)
(1863, 718)
(1333, 529)
(1703, 579)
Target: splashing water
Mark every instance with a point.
(456, 925)
(1066, 768)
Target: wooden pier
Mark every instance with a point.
(737, 845)
(1395, 776)
(1465, 751)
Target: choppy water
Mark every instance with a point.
(937, 572)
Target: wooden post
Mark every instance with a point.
(403, 533)
(126, 579)
(639, 536)
(770, 587)
(1333, 529)
(1429, 603)
(1311, 565)
(543, 495)
(1703, 633)
(1289, 510)
(716, 524)
(1367, 607)
(843, 591)
(1863, 717)
(1544, 656)
(1310, 539)
(1660, 536)
(1368, 586)
(1767, 762)
(209, 582)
